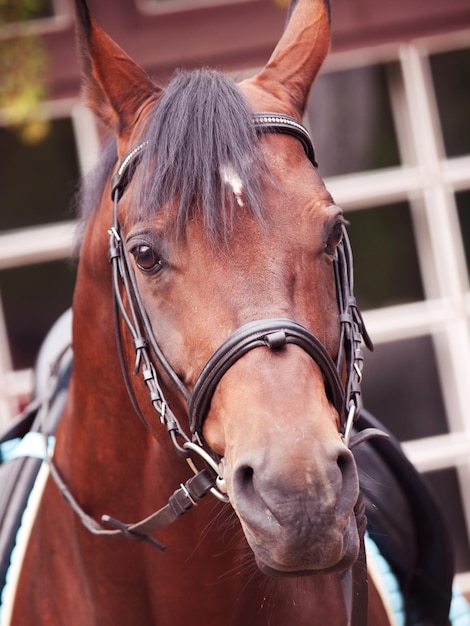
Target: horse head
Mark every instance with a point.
(231, 239)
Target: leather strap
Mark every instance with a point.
(182, 501)
(274, 334)
(360, 578)
(355, 580)
(285, 125)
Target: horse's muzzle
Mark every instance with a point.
(300, 522)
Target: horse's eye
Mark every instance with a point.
(334, 239)
(146, 258)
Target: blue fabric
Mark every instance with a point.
(31, 445)
(389, 581)
(459, 610)
(459, 614)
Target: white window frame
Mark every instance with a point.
(40, 244)
(428, 181)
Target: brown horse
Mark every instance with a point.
(223, 241)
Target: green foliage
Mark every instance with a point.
(23, 68)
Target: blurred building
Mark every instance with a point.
(390, 119)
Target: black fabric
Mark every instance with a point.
(406, 524)
(19, 427)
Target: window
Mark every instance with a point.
(38, 182)
(450, 72)
(357, 104)
(393, 141)
(386, 273)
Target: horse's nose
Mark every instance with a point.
(280, 488)
(296, 504)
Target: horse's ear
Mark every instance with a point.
(297, 58)
(115, 86)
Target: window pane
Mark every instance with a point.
(385, 258)
(33, 298)
(401, 388)
(351, 120)
(445, 486)
(37, 181)
(451, 74)
(463, 207)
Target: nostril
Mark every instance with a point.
(245, 476)
(347, 467)
(343, 461)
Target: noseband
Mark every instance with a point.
(274, 334)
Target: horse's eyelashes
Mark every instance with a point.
(147, 258)
(334, 238)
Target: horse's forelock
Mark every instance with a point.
(201, 127)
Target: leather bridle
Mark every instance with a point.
(272, 334)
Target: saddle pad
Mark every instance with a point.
(21, 452)
(20, 543)
(392, 597)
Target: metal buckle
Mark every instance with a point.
(349, 423)
(220, 491)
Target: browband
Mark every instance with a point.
(263, 123)
(285, 125)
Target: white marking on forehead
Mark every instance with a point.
(231, 178)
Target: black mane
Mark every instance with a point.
(201, 125)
